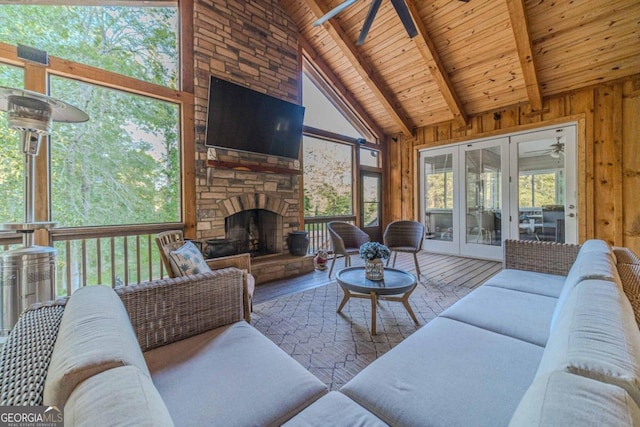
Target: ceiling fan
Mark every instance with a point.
(399, 5)
(555, 150)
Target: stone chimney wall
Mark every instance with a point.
(253, 43)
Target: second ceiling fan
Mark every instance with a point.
(399, 5)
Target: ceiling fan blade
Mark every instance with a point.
(405, 16)
(375, 5)
(333, 12)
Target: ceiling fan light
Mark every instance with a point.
(555, 154)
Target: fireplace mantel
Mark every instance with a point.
(219, 164)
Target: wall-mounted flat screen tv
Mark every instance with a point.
(243, 119)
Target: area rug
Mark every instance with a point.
(336, 346)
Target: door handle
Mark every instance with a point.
(571, 215)
(571, 207)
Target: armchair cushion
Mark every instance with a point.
(187, 260)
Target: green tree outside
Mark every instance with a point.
(121, 167)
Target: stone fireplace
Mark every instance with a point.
(251, 202)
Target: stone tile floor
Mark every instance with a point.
(335, 347)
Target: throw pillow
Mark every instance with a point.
(188, 260)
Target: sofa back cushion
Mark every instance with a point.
(95, 335)
(596, 336)
(594, 261)
(563, 399)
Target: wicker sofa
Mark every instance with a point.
(551, 340)
(167, 352)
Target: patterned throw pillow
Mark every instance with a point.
(187, 260)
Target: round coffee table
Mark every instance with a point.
(354, 284)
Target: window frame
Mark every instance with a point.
(370, 141)
(36, 78)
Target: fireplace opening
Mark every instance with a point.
(254, 231)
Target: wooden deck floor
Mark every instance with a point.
(435, 268)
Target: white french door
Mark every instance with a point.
(544, 191)
(521, 186)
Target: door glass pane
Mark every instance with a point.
(370, 201)
(438, 185)
(11, 166)
(541, 189)
(483, 196)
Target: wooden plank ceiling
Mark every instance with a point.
(469, 58)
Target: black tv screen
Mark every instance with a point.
(243, 119)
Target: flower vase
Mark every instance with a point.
(374, 269)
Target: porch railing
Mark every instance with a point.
(121, 255)
(116, 255)
(107, 255)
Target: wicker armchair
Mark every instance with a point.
(171, 240)
(346, 240)
(404, 236)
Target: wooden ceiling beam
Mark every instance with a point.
(432, 59)
(520, 26)
(348, 48)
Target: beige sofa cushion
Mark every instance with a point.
(95, 335)
(447, 373)
(119, 396)
(516, 314)
(591, 263)
(231, 376)
(562, 399)
(597, 337)
(335, 409)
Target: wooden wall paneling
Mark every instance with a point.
(527, 115)
(489, 123)
(607, 157)
(407, 174)
(508, 118)
(554, 108)
(393, 174)
(443, 132)
(631, 164)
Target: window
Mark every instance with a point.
(329, 153)
(538, 189)
(11, 166)
(328, 175)
(121, 167)
(139, 42)
(369, 158)
(320, 113)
